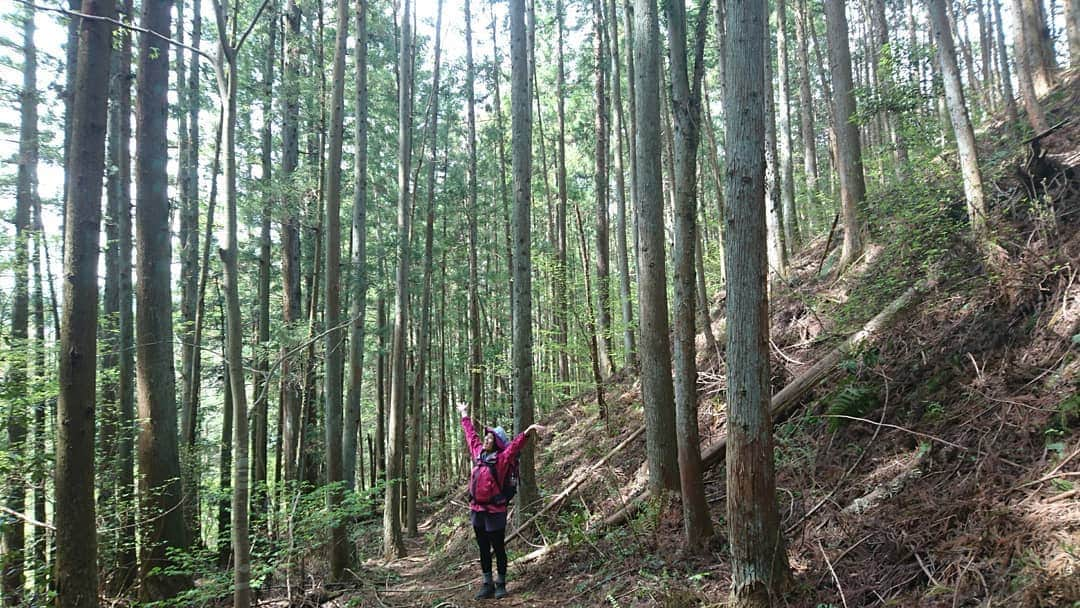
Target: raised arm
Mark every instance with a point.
(475, 445)
(519, 442)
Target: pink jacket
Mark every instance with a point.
(506, 455)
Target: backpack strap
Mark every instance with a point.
(494, 475)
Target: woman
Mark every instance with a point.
(490, 490)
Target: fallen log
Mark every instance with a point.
(576, 483)
(788, 397)
(884, 491)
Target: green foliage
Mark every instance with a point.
(1066, 417)
(850, 399)
(917, 224)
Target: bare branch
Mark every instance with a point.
(116, 22)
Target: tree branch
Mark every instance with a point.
(116, 22)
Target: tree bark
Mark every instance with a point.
(806, 103)
(39, 477)
(114, 500)
(792, 236)
(590, 318)
(1011, 112)
(227, 89)
(1072, 28)
(849, 150)
(261, 386)
(393, 547)
(127, 559)
(76, 537)
(621, 249)
(476, 369)
(521, 146)
(774, 211)
(965, 136)
(358, 301)
(1038, 47)
(686, 107)
(423, 344)
(561, 301)
(759, 561)
(189, 284)
(655, 349)
(1024, 75)
(290, 239)
(600, 181)
(159, 456)
(332, 315)
(224, 512)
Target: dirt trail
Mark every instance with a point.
(422, 580)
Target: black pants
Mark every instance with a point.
(495, 539)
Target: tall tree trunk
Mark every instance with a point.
(759, 561)
(423, 343)
(561, 301)
(631, 106)
(774, 212)
(792, 237)
(806, 103)
(621, 249)
(600, 181)
(74, 517)
(227, 89)
(189, 285)
(127, 559)
(393, 547)
(1024, 74)
(39, 477)
(159, 455)
(380, 381)
(965, 136)
(499, 381)
(117, 189)
(521, 140)
(224, 513)
(686, 108)
(476, 370)
(261, 414)
(590, 319)
(1072, 28)
(13, 561)
(883, 65)
(655, 349)
(1011, 112)
(339, 556)
(1038, 47)
(849, 149)
(290, 239)
(359, 283)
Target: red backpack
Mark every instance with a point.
(485, 487)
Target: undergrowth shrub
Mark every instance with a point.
(917, 223)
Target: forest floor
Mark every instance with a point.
(937, 466)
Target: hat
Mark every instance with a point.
(501, 438)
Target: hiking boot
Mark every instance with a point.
(500, 590)
(487, 591)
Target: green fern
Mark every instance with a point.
(850, 400)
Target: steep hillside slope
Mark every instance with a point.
(936, 465)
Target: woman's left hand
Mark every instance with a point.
(539, 429)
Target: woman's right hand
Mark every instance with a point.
(462, 408)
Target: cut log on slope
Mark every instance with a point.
(575, 483)
(884, 491)
(788, 397)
